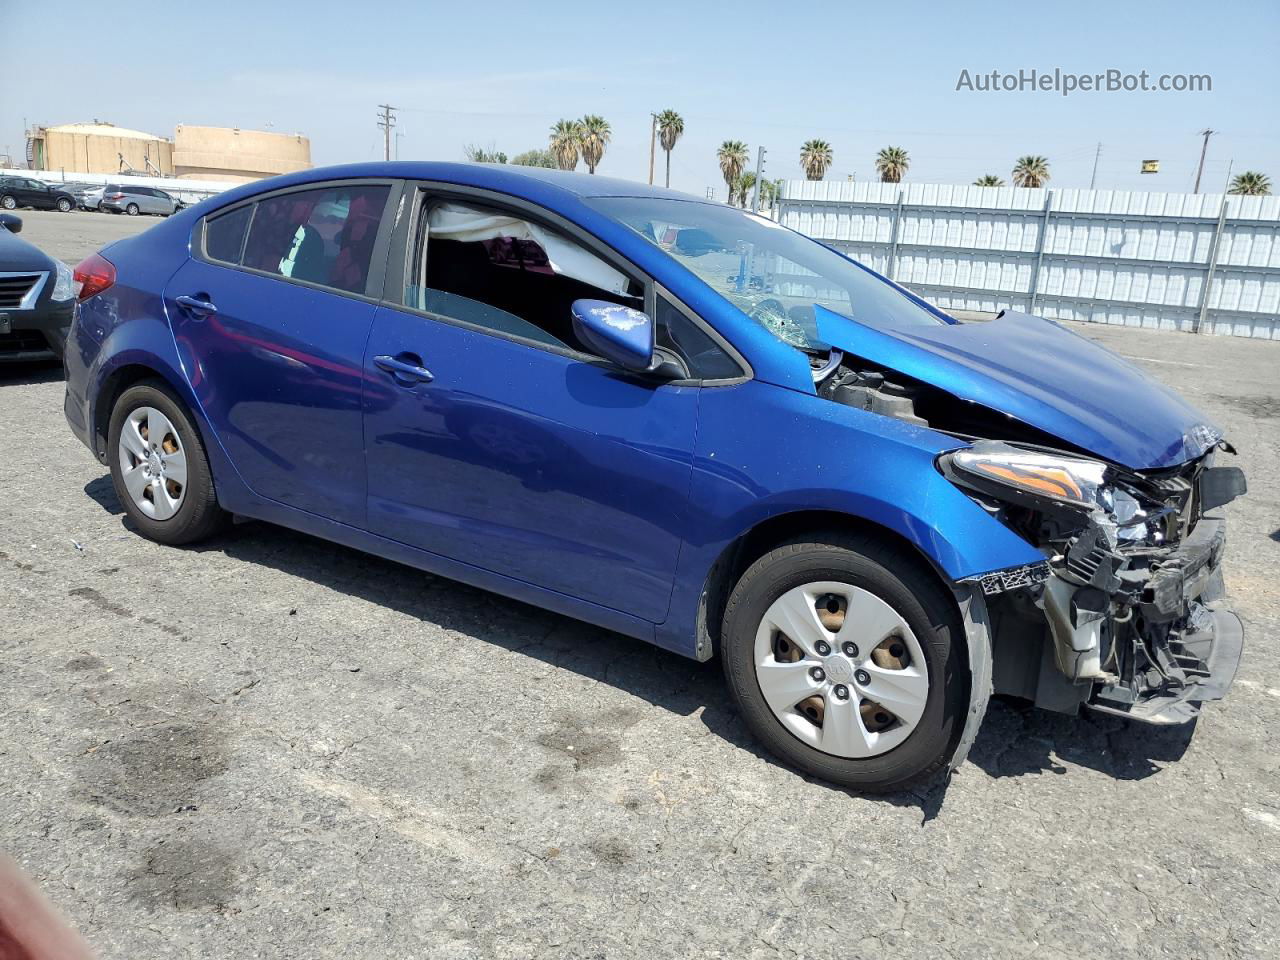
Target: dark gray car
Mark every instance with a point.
(37, 298)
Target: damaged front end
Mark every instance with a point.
(1110, 476)
(1127, 614)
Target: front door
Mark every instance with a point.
(271, 331)
(492, 436)
(563, 473)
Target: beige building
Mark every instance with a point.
(237, 156)
(99, 148)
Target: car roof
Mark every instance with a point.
(537, 183)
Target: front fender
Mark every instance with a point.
(764, 452)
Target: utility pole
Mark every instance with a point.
(386, 121)
(1206, 133)
(398, 136)
(1230, 163)
(755, 197)
(653, 139)
(1097, 153)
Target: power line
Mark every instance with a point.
(386, 121)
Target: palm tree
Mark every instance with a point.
(1031, 171)
(1251, 184)
(565, 142)
(891, 164)
(746, 183)
(815, 157)
(670, 129)
(595, 136)
(769, 190)
(733, 157)
(988, 180)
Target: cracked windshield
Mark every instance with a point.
(773, 275)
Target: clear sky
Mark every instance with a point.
(498, 73)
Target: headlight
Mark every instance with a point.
(64, 288)
(1071, 481)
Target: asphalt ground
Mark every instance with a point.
(273, 746)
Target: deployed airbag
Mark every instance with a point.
(455, 221)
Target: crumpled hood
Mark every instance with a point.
(1043, 375)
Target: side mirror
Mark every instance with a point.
(11, 223)
(617, 333)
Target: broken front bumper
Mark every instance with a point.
(1210, 656)
(1194, 640)
(1149, 636)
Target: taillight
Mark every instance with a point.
(115, 196)
(94, 274)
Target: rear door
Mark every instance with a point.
(271, 316)
(36, 194)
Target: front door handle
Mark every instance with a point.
(405, 368)
(195, 306)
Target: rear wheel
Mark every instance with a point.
(845, 659)
(131, 209)
(9, 203)
(159, 467)
(64, 205)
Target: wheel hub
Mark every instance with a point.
(153, 465)
(841, 669)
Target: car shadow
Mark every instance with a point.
(102, 492)
(1015, 739)
(30, 372)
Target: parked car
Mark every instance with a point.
(87, 195)
(37, 297)
(133, 199)
(27, 192)
(559, 387)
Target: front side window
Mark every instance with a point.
(322, 236)
(498, 270)
(774, 275)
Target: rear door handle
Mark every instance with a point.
(405, 368)
(196, 306)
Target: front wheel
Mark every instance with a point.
(159, 468)
(64, 205)
(131, 209)
(846, 659)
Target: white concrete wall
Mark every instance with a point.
(1107, 256)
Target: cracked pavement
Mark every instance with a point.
(275, 746)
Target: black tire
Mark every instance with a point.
(131, 209)
(915, 594)
(9, 203)
(199, 516)
(65, 205)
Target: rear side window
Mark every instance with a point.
(323, 236)
(224, 235)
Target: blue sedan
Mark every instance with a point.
(679, 421)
